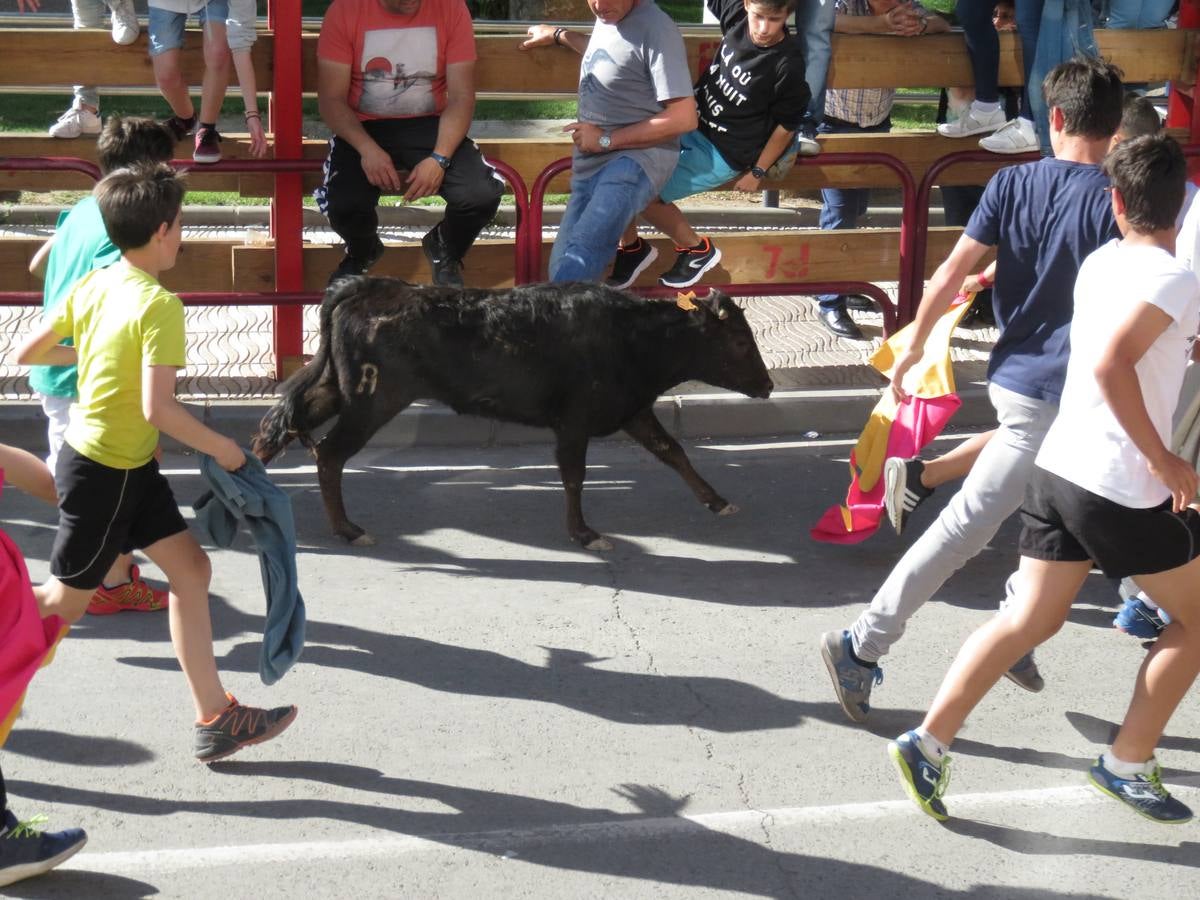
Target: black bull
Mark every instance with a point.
(581, 359)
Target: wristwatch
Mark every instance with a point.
(443, 161)
(605, 141)
(758, 171)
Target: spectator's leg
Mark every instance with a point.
(88, 14)
(166, 41)
(814, 20)
(1028, 14)
(348, 200)
(217, 61)
(959, 201)
(669, 219)
(587, 239)
(983, 47)
(840, 209)
(1138, 13)
(472, 190)
(581, 195)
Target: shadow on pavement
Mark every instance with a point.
(654, 844)
(1039, 843)
(1100, 731)
(74, 749)
(79, 883)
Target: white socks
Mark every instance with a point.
(1123, 769)
(987, 108)
(934, 750)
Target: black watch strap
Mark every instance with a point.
(758, 171)
(443, 161)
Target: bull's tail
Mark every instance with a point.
(311, 395)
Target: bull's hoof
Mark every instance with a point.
(598, 544)
(728, 510)
(363, 540)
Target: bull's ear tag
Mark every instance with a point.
(684, 300)
(713, 302)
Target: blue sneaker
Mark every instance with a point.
(1144, 793)
(1024, 672)
(1138, 620)
(25, 851)
(852, 683)
(922, 780)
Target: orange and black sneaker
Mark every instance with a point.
(238, 726)
(133, 596)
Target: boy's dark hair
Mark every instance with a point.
(1088, 91)
(776, 5)
(133, 140)
(134, 202)
(1139, 117)
(1149, 172)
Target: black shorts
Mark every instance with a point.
(1065, 523)
(103, 511)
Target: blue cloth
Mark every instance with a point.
(250, 494)
(1044, 218)
(600, 207)
(1138, 13)
(1058, 29)
(701, 168)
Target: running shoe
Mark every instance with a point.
(76, 122)
(806, 140)
(180, 127)
(1144, 793)
(923, 781)
(690, 264)
(631, 262)
(133, 596)
(902, 489)
(445, 270)
(1016, 136)
(1024, 673)
(1138, 620)
(352, 266)
(124, 21)
(972, 122)
(852, 683)
(239, 726)
(26, 851)
(208, 145)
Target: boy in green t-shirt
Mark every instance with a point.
(128, 338)
(79, 245)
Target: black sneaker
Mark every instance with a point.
(350, 266)
(25, 851)
(179, 127)
(446, 270)
(239, 726)
(902, 489)
(690, 264)
(630, 263)
(1144, 793)
(208, 145)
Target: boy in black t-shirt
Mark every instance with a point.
(750, 101)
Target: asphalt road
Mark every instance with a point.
(487, 711)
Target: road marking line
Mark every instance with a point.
(502, 840)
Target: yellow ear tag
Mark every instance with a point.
(684, 301)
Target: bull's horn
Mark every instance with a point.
(713, 302)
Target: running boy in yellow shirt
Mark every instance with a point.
(128, 334)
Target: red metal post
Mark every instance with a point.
(286, 122)
(1180, 107)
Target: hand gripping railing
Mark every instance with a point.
(893, 314)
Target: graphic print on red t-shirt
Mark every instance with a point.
(399, 66)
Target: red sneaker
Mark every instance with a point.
(135, 595)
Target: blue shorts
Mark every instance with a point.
(166, 27)
(701, 168)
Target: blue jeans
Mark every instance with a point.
(1058, 29)
(1138, 13)
(600, 207)
(842, 207)
(814, 20)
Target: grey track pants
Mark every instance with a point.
(992, 492)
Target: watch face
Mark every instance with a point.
(605, 141)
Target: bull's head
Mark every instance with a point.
(730, 357)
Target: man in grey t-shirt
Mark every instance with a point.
(635, 99)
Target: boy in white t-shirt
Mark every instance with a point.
(1106, 491)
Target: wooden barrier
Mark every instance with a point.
(64, 57)
(748, 257)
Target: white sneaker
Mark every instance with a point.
(74, 122)
(1016, 136)
(125, 27)
(972, 122)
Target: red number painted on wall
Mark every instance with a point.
(792, 266)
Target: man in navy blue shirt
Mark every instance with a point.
(1043, 218)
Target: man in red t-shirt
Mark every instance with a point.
(396, 85)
